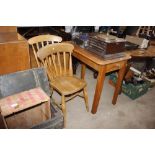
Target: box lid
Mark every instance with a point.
(23, 100)
(107, 38)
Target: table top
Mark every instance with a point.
(95, 58)
(143, 53)
(22, 100)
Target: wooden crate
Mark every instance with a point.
(25, 109)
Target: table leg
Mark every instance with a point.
(75, 63)
(98, 90)
(125, 74)
(119, 82)
(148, 63)
(83, 70)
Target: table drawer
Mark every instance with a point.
(114, 66)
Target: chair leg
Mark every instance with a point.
(86, 98)
(51, 90)
(63, 105)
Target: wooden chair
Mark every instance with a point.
(57, 60)
(40, 41)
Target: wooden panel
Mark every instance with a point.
(28, 118)
(4, 29)
(2, 122)
(14, 55)
(115, 47)
(8, 37)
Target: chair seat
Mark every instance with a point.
(67, 85)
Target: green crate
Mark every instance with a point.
(131, 90)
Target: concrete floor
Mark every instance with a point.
(126, 114)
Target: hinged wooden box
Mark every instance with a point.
(25, 109)
(106, 45)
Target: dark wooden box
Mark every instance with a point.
(103, 45)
